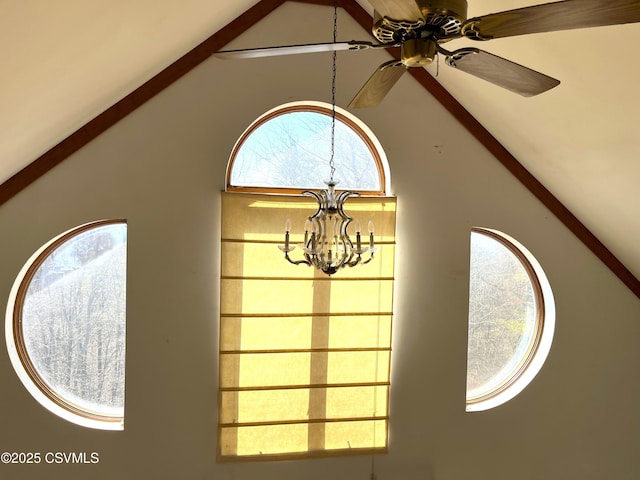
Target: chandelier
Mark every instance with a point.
(327, 245)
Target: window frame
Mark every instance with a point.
(343, 116)
(538, 349)
(288, 195)
(19, 354)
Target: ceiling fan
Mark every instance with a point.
(420, 27)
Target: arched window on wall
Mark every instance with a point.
(65, 324)
(511, 319)
(304, 357)
(288, 149)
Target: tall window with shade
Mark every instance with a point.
(304, 357)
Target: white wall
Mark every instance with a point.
(162, 169)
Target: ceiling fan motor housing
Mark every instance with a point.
(418, 52)
(441, 19)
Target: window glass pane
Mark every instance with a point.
(502, 316)
(73, 320)
(292, 150)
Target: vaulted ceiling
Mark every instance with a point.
(65, 62)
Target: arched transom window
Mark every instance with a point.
(288, 149)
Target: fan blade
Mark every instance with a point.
(398, 9)
(501, 72)
(293, 49)
(550, 17)
(378, 85)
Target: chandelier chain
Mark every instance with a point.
(332, 166)
(327, 245)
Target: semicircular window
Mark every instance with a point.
(68, 338)
(289, 148)
(510, 317)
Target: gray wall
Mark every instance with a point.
(162, 168)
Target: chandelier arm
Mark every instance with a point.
(345, 194)
(364, 262)
(296, 262)
(349, 251)
(355, 262)
(317, 237)
(319, 199)
(342, 197)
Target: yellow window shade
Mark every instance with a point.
(304, 358)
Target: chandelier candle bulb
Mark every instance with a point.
(371, 228)
(358, 240)
(287, 229)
